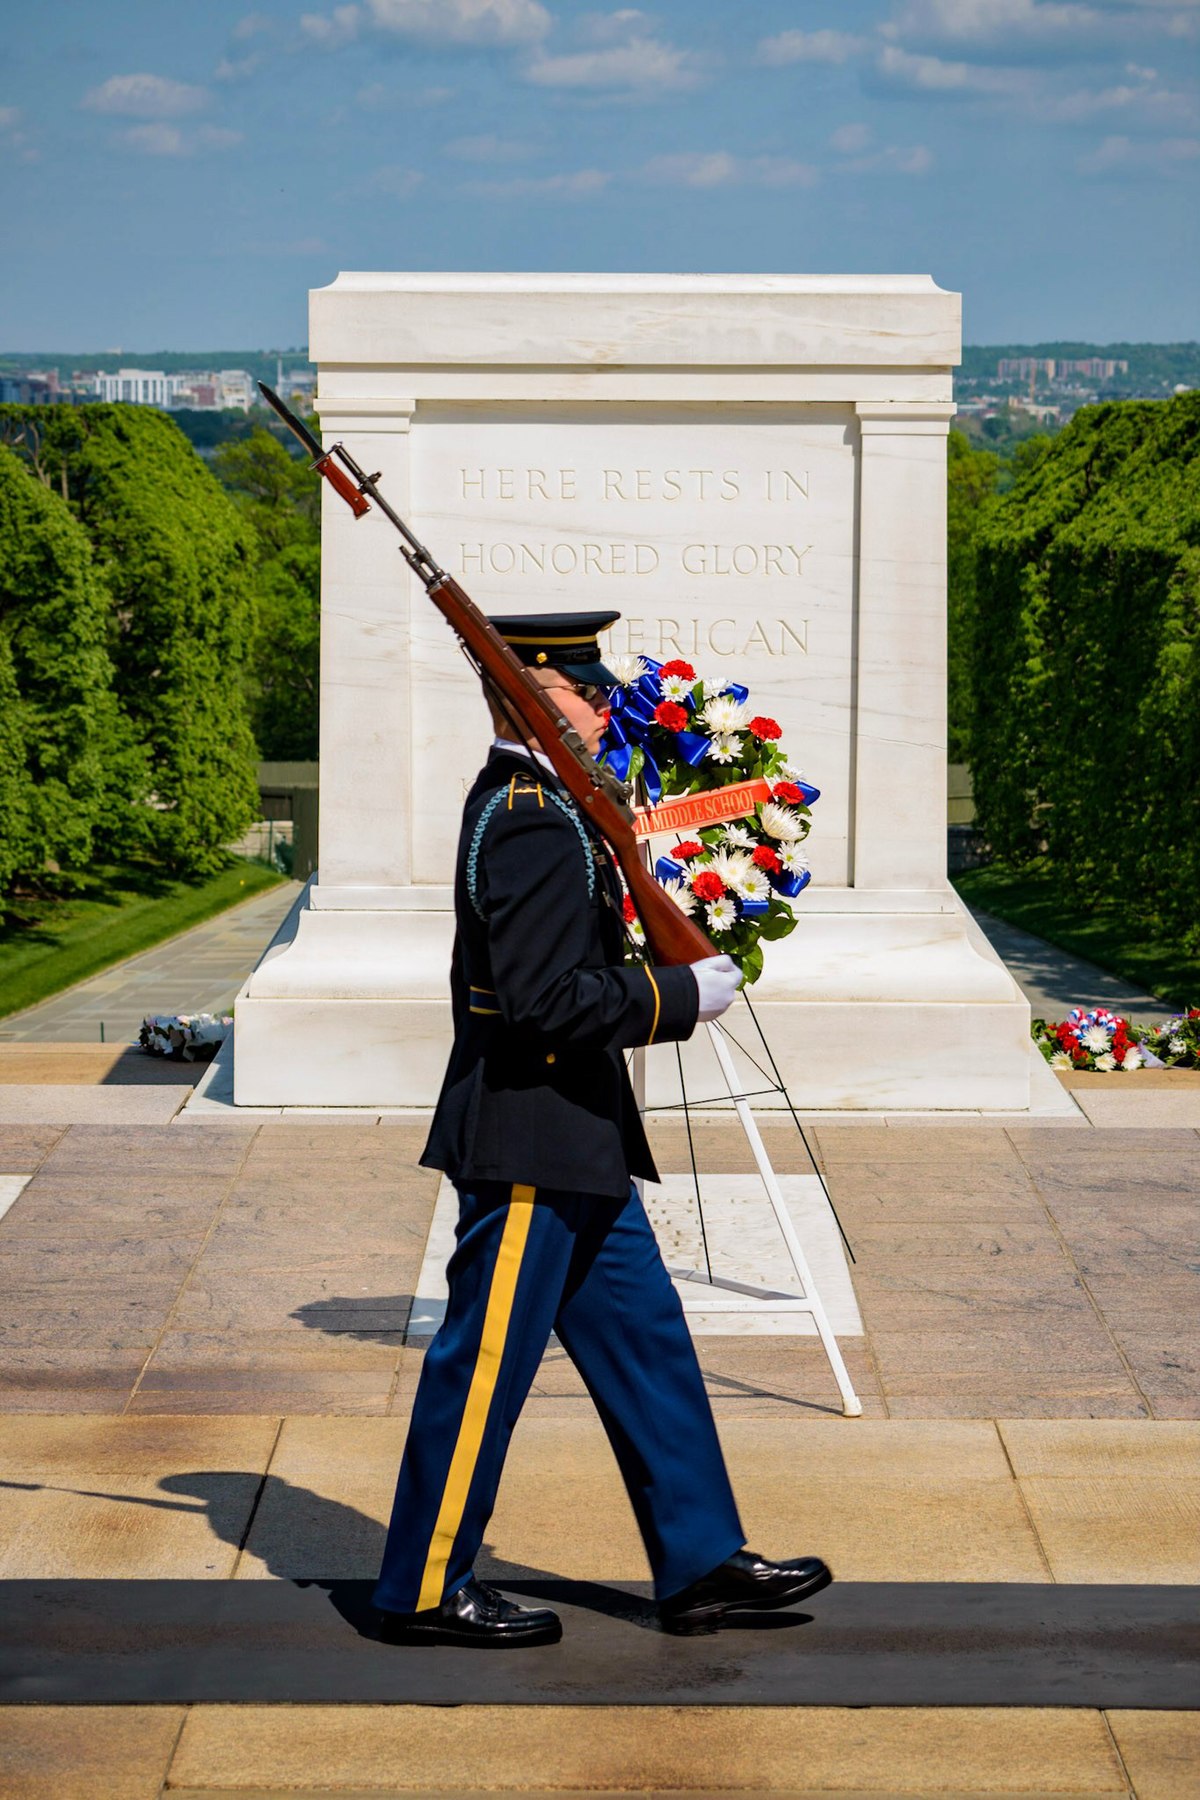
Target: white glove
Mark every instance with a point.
(718, 978)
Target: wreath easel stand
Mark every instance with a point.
(736, 1296)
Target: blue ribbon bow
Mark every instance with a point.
(790, 885)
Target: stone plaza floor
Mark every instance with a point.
(205, 1378)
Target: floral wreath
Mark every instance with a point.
(1089, 1040)
(673, 733)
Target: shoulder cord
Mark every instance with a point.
(483, 822)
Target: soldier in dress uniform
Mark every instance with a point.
(538, 1129)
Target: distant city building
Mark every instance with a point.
(1029, 368)
(36, 387)
(238, 392)
(140, 387)
(202, 394)
(298, 384)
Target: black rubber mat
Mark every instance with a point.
(860, 1644)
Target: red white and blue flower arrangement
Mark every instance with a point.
(1089, 1040)
(674, 733)
(1101, 1040)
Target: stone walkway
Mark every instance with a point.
(204, 1377)
(201, 970)
(1053, 981)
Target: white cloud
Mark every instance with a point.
(849, 138)
(640, 65)
(579, 184)
(10, 117)
(896, 159)
(1003, 24)
(238, 68)
(333, 31)
(810, 46)
(1124, 156)
(1148, 104)
(145, 97)
(397, 181)
(934, 75)
(161, 139)
(719, 168)
(463, 21)
(488, 148)
(252, 25)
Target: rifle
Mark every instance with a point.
(671, 937)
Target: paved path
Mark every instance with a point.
(201, 970)
(1053, 981)
(204, 1379)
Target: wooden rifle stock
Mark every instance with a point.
(671, 937)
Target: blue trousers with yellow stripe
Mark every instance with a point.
(587, 1267)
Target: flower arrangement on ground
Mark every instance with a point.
(1176, 1042)
(185, 1037)
(673, 732)
(1089, 1040)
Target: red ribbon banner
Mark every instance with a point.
(692, 812)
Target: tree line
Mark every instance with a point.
(1075, 654)
(158, 632)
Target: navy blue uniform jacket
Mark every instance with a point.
(536, 1091)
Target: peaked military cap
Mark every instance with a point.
(566, 641)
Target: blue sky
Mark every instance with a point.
(178, 176)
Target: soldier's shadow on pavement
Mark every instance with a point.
(296, 1524)
(369, 1319)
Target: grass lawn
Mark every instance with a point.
(1106, 933)
(48, 945)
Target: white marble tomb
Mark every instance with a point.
(753, 470)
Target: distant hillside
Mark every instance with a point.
(1153, 368)
(261, 364)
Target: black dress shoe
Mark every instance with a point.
(744, 1582)
(476, 1615)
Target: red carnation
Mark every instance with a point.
(708, 885)
(677, 668)
(670, 716)
(629, 911)
(788, 792)
(688, 849)
(766, 728)
(765, 858)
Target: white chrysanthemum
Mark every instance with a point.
(738, 838)
(635, 931)
(676, 687)
(1060, 1060)
(1177, 1046)
(724, 714)
(1132, 1058)
(1107, 1061)
(732, 866)
(627, 669)
(721, 915)
(1096, 1038)
(779, 822)
(755, 886)
(793, 858)
(789, 772)
(681, 894)
(725, 749)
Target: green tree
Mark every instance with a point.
(1086, 741)
(16, 785)
(177, 560)
(73, 779)
(280, 499)
(972, 477)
